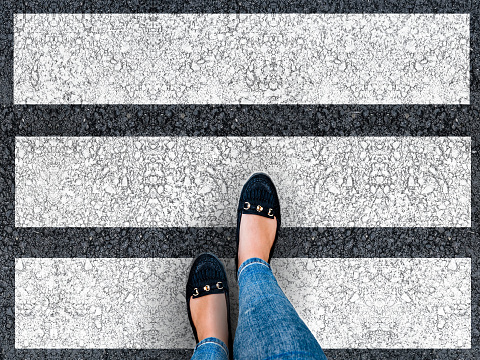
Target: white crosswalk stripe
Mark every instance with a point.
(169, 181)
(347, 303)
(117, 303)
(242, 58)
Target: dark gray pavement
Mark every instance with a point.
(244, 120)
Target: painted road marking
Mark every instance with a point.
(392, 303)
(196, 181)
(241, 58)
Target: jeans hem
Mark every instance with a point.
(213, 340)
(252, 261)
(297, 353)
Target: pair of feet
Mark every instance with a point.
(209, 313)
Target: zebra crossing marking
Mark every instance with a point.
(391, 303)
(460, 338)
(169, 181)
(241, 59)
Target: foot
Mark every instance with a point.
(209, 315)
(257, 234)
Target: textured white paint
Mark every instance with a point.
(347, 303)
(241, 58)
(196, 181)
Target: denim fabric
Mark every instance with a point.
(268, 325)
(210, 349)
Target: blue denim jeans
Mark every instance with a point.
(268, 325)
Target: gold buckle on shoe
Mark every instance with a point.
(218, 286)
(246, 206)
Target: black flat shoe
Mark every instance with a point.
(259, 197)
(208, 276)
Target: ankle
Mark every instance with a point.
(257, 235)
(209, 314)
(253, 252)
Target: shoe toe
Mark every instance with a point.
(206, 269)
(259, 189)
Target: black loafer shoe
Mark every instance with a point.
(208, 276)
(259, 197)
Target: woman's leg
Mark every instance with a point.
(268, 325)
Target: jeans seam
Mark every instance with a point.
(212, 342)
(252, 264)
